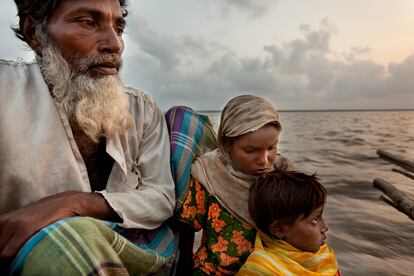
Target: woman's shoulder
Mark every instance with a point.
(205, 166)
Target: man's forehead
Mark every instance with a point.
(105, 7)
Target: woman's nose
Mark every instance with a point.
(263, 158)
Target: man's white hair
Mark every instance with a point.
(99, 105)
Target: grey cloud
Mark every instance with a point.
(293, 56)
(297, 74)
(322, 73)
(254, 8)
(302, 73)
(152, 44)
(401, 78)
(356, 52)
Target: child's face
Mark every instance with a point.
(307, 234)
(254, 153)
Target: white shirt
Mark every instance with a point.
(39, 156)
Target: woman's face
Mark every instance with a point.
(255, 152)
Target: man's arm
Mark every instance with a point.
(17, 226)
(145, 207)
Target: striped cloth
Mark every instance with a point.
(191, 135)
(86, 246)
(276, 257)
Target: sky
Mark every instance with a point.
(301, 55)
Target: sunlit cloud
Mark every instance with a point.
(301, 73)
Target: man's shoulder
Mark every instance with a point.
(5, 62)
(21, 77)
(17, 69)
(8, 62)
(140, 95)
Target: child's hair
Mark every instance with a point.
(284, 196)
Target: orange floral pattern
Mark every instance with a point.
(227, 260)
(237, 237)
(220, 246)
(226, 241)
(244, 246)
(214, 211)
(217, 224)
(200, 199)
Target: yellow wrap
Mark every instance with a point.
(276, 257)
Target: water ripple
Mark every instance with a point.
(369, 236)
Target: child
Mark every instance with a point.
(217, 201)
(287, 208)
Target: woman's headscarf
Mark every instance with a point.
(244, 114)
(214, 170)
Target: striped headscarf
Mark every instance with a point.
(277, 257)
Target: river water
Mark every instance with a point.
(369, 236)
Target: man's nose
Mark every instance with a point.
(110, 41)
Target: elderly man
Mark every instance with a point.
(78, 149)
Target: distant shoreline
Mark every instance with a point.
(324, 110)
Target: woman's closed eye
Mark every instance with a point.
(272, 148)
(249, 150)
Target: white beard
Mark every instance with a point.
(98, 105)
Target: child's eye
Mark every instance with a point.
(315, 220)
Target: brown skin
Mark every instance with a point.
(255, 152)
(305, 233)
(79, 28)
(84, 28)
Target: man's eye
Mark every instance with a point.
(119, 30)
(89, 22)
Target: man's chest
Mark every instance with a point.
(97, 161)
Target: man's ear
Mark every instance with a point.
(279, 229)
(29, 34)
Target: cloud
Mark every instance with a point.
(303, 73)
(400, 80)
(254, 8)
(355, 52)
